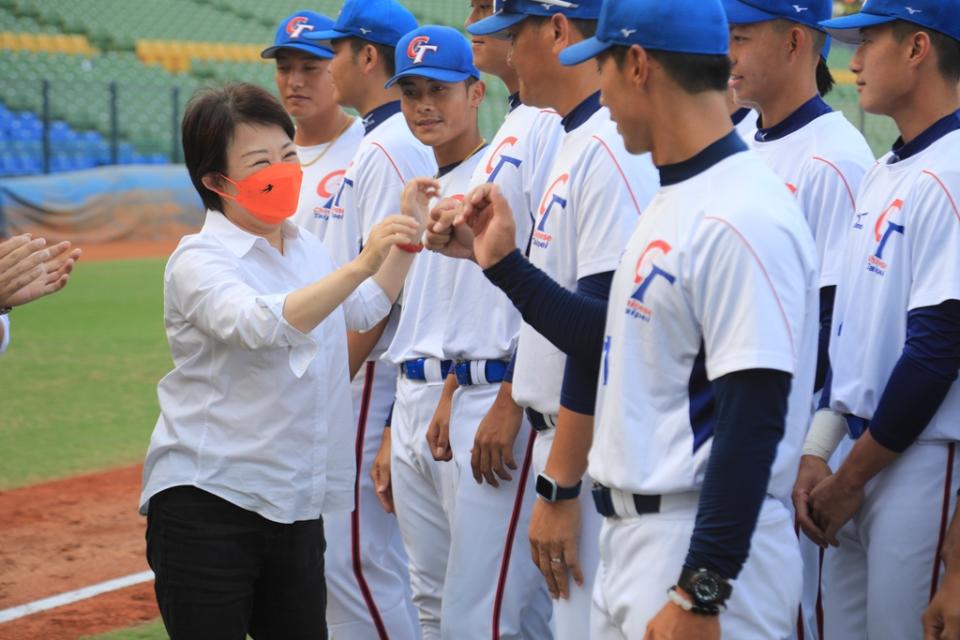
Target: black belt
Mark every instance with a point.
(539, 421)
(604, 503)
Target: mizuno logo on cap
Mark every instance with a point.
(628, 32)
(800, 9)
(913, 11)
(364, 31)
(561, 4)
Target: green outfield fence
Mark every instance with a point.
(130, 112)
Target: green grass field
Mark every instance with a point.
(79, 380)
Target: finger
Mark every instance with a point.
(486, 466)
(496, 459)
(475, 463)
(447, 454)
(951, 628)
(931, 624)
(508, 458)
(572, 558)
(546, 569)
(559, 570)
(9, 246)
(22, 261)
(809, 527)
(443, 441)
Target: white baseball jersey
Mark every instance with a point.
(323, 168)
(716, 278)
(427, 292)
(482, 323)
(595, 193)
(903, 253)
(388, 157)
(822, 163)
(745, 122)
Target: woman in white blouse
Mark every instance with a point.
(253, 440)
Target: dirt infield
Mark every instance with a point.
(65, 535)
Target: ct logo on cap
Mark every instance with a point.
(418, 48)
(298, 25)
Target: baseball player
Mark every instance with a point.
(460, 572)
(711, 331)
(326, 136)
(778, 51)
(363, 39)
(591, 200)
(894, 348)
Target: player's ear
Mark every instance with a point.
(637, 66)
(369, 58)
(559, 27)
(476, 92)
(920, 46)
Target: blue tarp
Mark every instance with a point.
(130, 202)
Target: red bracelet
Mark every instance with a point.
(411, 248)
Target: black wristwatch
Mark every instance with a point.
(708, 590)
(5, 310)
(549, 490)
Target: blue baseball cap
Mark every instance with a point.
(809, 13)
(507, 13)
(291, 32)
(806, 12)
(435, 52)
(680, 26)
(379, 21)
(942, 16)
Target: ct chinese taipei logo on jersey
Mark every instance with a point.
(327, 189)
(336, 207)
(884, 232)
(647, 274)
(552, 204)
(499, 159)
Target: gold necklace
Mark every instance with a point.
(330, 144)
(482, 144)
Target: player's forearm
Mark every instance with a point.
(572, 321)
(750, 418)
(360, 345)
(571, 443)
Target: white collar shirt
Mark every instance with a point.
(255, 411)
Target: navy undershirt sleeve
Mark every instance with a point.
(579, 391)
(827, 297)
(922, 377)
(573, 322)
(508, 374)
(751, 408)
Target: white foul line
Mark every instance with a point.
(6, 615)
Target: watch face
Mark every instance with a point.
(706, 589)
(546, 489)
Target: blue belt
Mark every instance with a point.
(856, 425)
(539, 421)
(414, 370)
(493, 371)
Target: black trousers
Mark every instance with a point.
(223, 572)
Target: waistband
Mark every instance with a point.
(540, 421)
(429, 370)
(473, 372)
(614, 503)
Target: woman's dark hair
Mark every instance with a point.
(210, 121)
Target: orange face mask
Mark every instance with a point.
(271, 194)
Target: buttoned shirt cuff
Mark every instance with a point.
(303, 348)
(366, 306)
